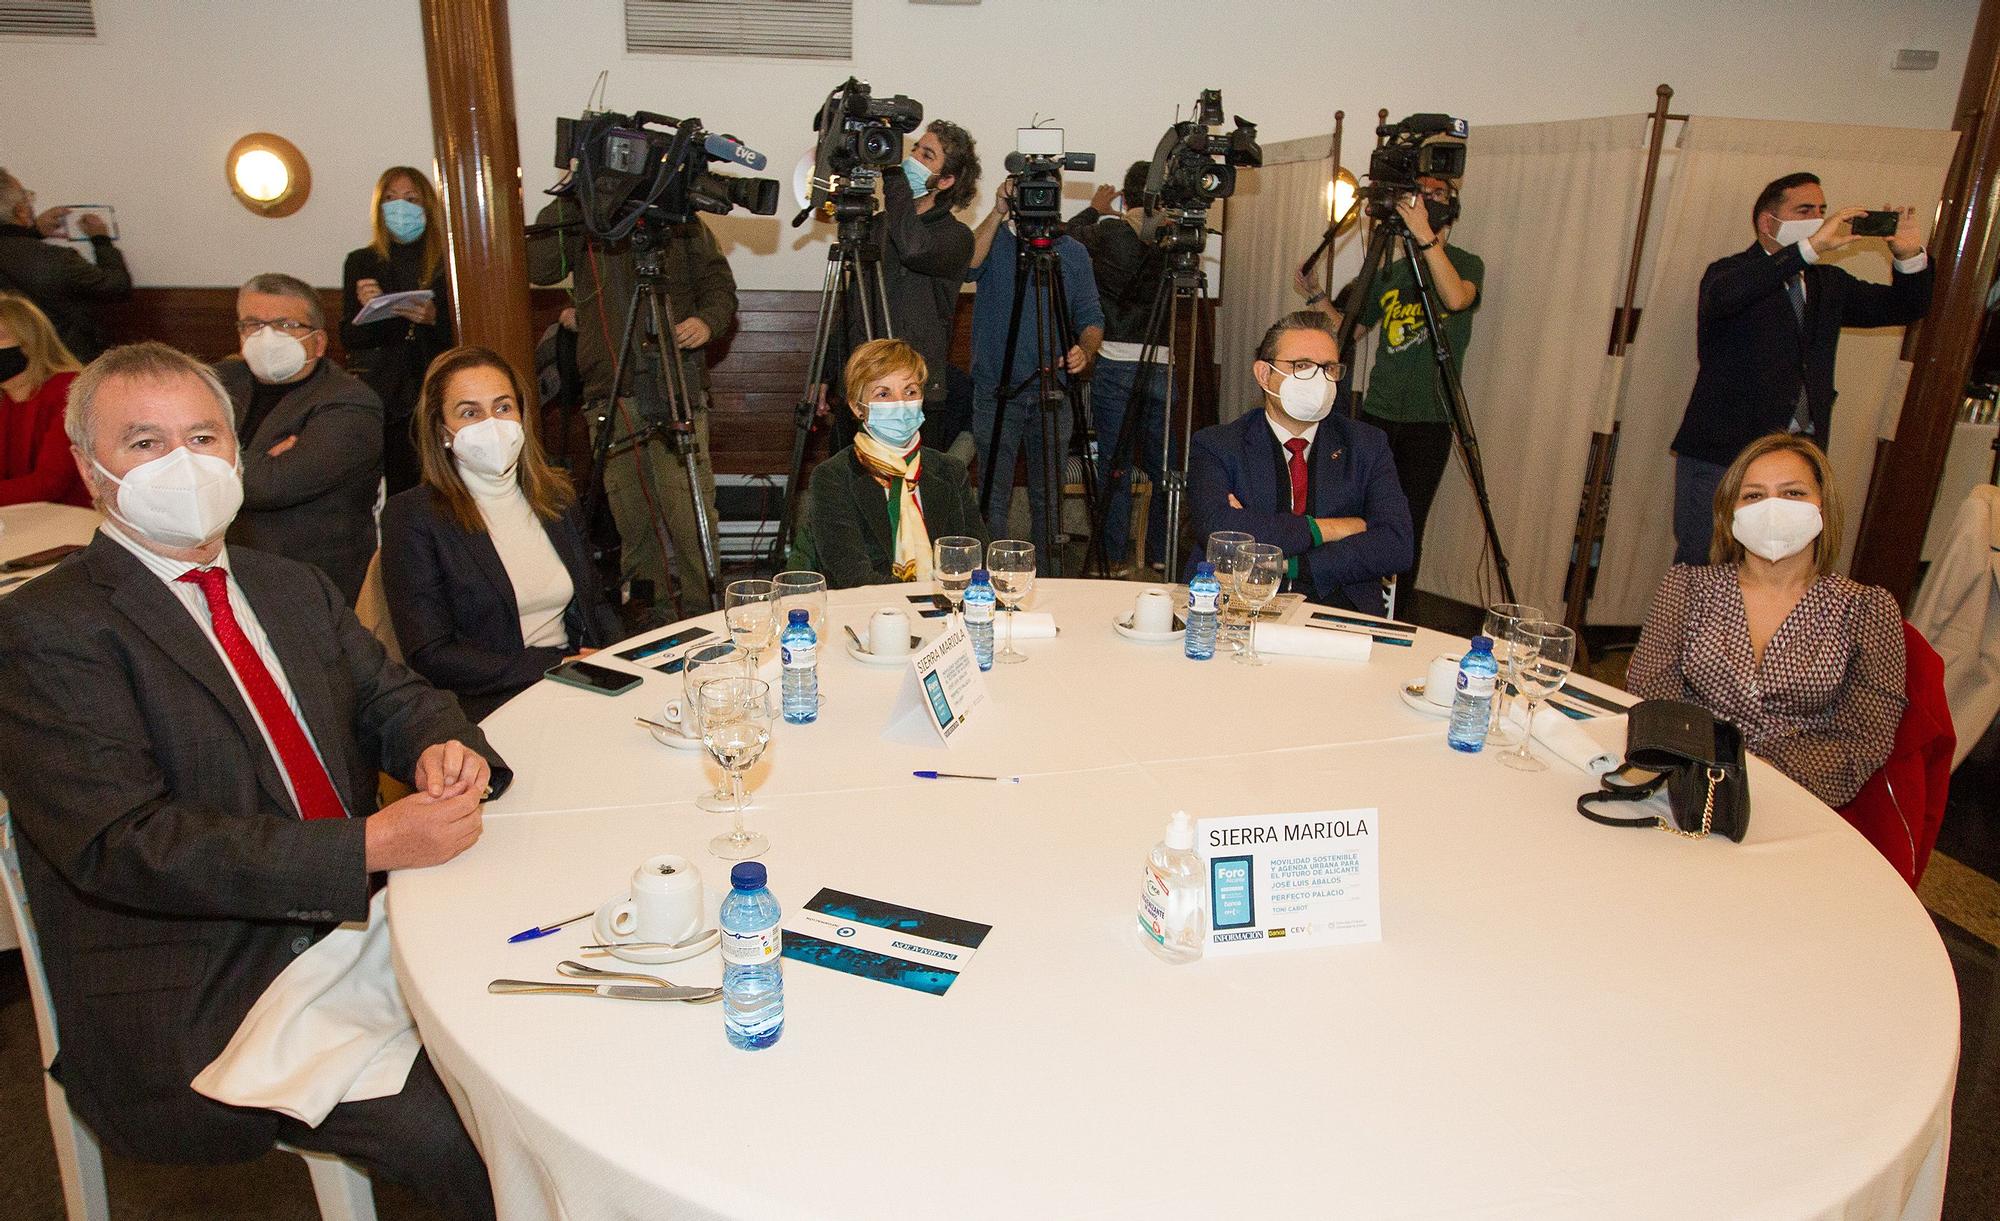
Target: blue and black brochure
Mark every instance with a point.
(882, 941)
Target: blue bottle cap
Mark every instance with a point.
(1482, 644)
(799, 616)
(1203, 569)
(749, 875)
(982, 577)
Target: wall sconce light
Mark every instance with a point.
(1340, 196)
(268, 174)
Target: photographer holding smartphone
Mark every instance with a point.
(1768, 326)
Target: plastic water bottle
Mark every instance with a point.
(799, 650)
(1203, 592)
(1173, 895)
(753, 986)
(1472, 707)
(979, 617)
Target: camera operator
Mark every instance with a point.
(1128, 272)
(703, 294)
(925, 251)
(1403, 398)
(994, 251)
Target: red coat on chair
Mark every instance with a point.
(1900, 808)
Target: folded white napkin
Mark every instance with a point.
(332, 1028)
(1567, 739)
(1290, 640)
(1028, 625)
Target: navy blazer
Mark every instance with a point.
(453, 603)
(1755, 355)
(1356, 478)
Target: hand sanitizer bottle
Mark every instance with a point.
(1173, 900)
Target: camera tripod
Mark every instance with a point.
(852, 289)
(1038, 279)
(1183, 284)
(648, 368)
(1457, 414)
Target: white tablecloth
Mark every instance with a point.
(1562, 1019)
(24, 530)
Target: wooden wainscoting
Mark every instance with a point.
(758, 371)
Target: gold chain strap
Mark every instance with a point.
(1715, 775)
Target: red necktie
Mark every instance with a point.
(1298, 464)
(310, 783)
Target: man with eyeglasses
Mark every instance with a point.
(311, 436)
(1402, 397)
(1301, 475)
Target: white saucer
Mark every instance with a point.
(675, 740)
(870, 659)
(1418, 704)
(1123, 626)
(601, 926)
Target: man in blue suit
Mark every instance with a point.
(1297, 474)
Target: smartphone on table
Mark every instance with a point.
(601, 679)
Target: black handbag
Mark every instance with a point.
(1698, 758)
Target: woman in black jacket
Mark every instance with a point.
(488, 580)
(405, 253)
(877, 504)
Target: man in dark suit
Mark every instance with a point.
(312, 436)
(65, 285)
(189, 742)
(1303, 476)
(1767, 328)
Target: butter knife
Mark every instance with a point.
(623, 992)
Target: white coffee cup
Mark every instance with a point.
(1153, 611)
(889, 632)
(1441, 682)
(675, 715)
(665, 903)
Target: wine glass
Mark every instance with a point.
(1546, 652)
(736, 727)
(750, 609)
(953, 558)
(1225, 551)
(801, 590)
(1011, 563)
(705, 664)
(1502, 618)
(1263, 571)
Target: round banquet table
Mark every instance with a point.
(1560, 1020)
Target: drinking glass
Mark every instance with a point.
(1547, 650)
(953, 558)
(709, 662)
(1225, 551)
(736, 727)
(1263, 571)
(1011, 563)
(750, 608)
(1502, 618)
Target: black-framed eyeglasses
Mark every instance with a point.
(246, 327)
(1332, 370)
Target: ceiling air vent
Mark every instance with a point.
(48, 18)
(785, 29)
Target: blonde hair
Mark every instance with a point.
(548, 490)
(877, 359)
(37, 336)
(433, 239)
(1722, 545)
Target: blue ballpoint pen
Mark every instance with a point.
(529, 934)
(927, 775)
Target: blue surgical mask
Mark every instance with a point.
(404, 220)
(919, 175)
(895, 423)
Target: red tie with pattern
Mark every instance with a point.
(1298, 464)
(310, 783)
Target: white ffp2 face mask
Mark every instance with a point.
(273, 355)
(489, 447)
(1305, 399)
(1775, 528)
(182, 500)
(1792, 232)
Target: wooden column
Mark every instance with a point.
(1964, 246)
(471, 70)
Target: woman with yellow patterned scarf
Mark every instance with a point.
(877, 504)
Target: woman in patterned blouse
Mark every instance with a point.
(1808, 663)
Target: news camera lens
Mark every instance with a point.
(881, 147)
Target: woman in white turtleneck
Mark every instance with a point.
(484, 564)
